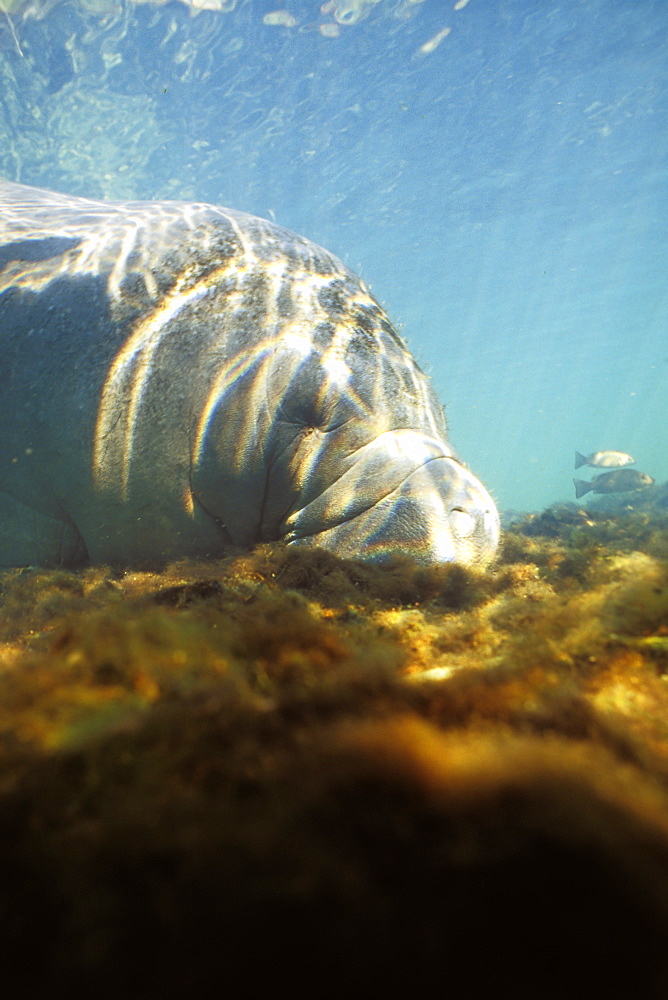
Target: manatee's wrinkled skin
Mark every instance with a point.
(184, 380)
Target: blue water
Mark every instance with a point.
(505, 196)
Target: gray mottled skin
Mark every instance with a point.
(183, 380)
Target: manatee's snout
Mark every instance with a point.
(439, 512)
(467, 528)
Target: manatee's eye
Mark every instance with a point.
(462, 523)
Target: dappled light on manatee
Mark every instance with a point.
(245, 387)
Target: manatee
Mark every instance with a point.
(181, 380)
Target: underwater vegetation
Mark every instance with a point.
(343, 773)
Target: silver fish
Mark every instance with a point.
(604, 459)
(619, 481)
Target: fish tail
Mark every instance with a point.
(579, 460)
(581, 487)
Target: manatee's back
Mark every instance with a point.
(117, 240)
(185, 347)
(77, 278)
